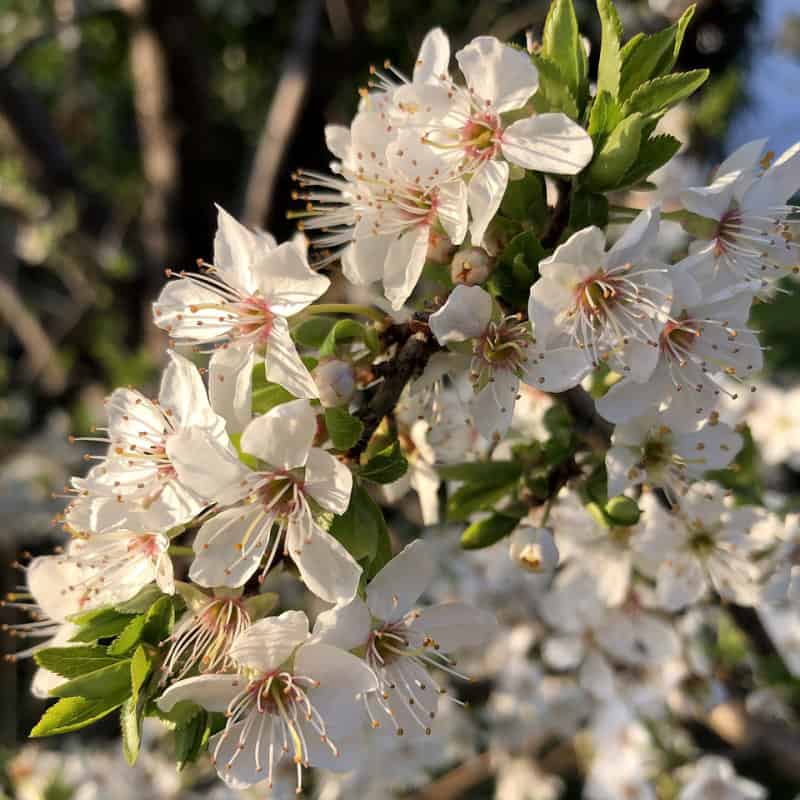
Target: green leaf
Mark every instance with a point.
(517, 270)
(642, 61)
(561, 44)
(141, 602)
(386, 466)
(383, 554)
(663, 92)
(103, 682)
(74, 713)
(587, 208)
(141, 667)
(345, 330)
(609, 67)
(617, 155)
(486, 532)
(490, 473)
(71, 662)
(129, 637)
(159, 621)
(102, 623)
(525, 201)
(259, 605)
(476, 497)
(312, 332)
(605, 115)
(553, 93)
(189, 736)
(267, 395)
(130, 725)
(361, 525)
(344, 429)
(653, 154)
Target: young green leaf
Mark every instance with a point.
(476, 497)
(267, 396)
(617, 155)
(344, 429)
(312, 332)
(141, 668)
(259, 605)
(386, 466)
(663, 92)
(345, 330)
(653, 154)
(159, 621)
(610, 64)
(189, 738)
(102, 623)
(129, 637)
(605, 115)
(486, 532)
(554, 93)
(141, 602)
(115, 679)
(561, 44)
(642, 61)
(489, 473)
(71, 662)
(130, 725)
(74, 713)
(587, 208)
(361, 525)
(525, 201)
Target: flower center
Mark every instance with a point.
(481, 135)
(678, 337)
(146, 545)
(503, 345)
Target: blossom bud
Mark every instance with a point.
(470, 266)
(440, 248)
(622, 510)
(534, 549)
(335, 381)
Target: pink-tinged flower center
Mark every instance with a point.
(146, 545)
(255, 319)
(679, 337)
(481, 136)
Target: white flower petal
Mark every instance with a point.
(492, 407)
(286, 280)
(49, 579)
(234, 753)
(212, 692)
(433, 58)
(283, 363)
(325, 566)
(346, 626)
(236, 248)
(181, 305)
(453, 626)
(451, 210)
(270, 641)
(744, 159)
(230, 385)
(550, 143)
(392, 593)
(328, 481)
(363, 260)
(485, 193)
(498, 73)
(465, 315)
(184, 394)
(282, 437)
(639, 236)
(404, 262)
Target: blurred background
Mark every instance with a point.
(122, 123)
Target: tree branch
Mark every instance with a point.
(282, 115)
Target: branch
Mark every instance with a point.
(282, 115)
(42, 357)
(415, 345)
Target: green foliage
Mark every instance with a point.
(525, 202)
(266, 395)
(562, 45)
(610, 64)
(74, 713)
(488, 531)
(386, 465)
(659, 94)
(617, 155)
(344, 429)
(100, 624)
(342, 335)
(191, 736)
(362, 528)
(313, 332)
(587, 208)
(553, 93)
(70, 662)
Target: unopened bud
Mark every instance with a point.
(470, 266)
(534, 549)
(440, 248)
(335, 381)
(622, 510)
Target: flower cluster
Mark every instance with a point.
(563, 381)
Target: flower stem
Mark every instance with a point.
(180, 550)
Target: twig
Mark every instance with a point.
(42, 356)
(282, 115)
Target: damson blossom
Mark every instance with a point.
(609, 306)
(714, 777)
(702, 347)
(402, 644)
(751, 235)
(705, 545)
(478, 129)
(237, 308)
(289, 698)
(645, 450)
(276, 502)
(502, 356)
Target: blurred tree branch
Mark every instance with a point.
(283, 114)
